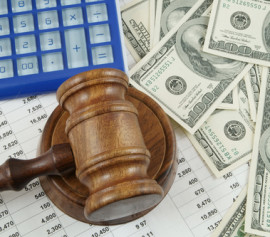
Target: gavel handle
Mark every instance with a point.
(15, 173)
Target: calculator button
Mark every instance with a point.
(97, 12)
(21, 5)
(70, 2)
(72, 16)
(92, 0)
(4, 26)
(52, 62)
(50, 40)
(23, 23)
(99, 33)
(48, 20)
(27, 66)
(3, 7)
(25, 44)
(41, 4)
(102, 55)
(6, 69)
(76, 48)
(5, 47)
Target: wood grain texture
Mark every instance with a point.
(112, 135)
(109, 150)
(69, 195)
(16, 173)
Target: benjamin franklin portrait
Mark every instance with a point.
(264, 148)
(173, 14)
(189, 42)
(266, 32)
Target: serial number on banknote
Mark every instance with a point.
(220, 145)
(160, 71)
(245, 4)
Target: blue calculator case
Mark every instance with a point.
(44, 42)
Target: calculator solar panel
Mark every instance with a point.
(44, 42)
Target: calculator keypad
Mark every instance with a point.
(6, 68)
(52, 62)
(25, 44)
(72, 16)
(27, 65)
(97, 12)
(76, 48)
(48, 20)
(42, 4)
(21, 5)
(99, 33)
(3, 7)
(23, 23)
(102, 55)
(70, 2)
(52, 38)
(4, 26)
(92, 0)
(5, 47)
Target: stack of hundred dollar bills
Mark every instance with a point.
(206, 62)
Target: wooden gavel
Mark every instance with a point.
(106, 149)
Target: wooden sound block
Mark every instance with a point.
(69, 195)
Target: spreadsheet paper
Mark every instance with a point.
(194, 205)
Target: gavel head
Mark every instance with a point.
(110, 154)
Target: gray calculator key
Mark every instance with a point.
(50, 40)
(6, 68)
(102, 55)
(3, 7)
(52, 62)
(41, 4)
(97, 12)
(72, 16)
(21, 5)
(27, 65)
(5, 47)
(25, 44)
(76, 48)
(99, 33)
(23, 23)
(4, 26)
(48, 20)
(69, 2)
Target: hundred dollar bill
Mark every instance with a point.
(240, 29)
(169, 13)
(258, 198)
(188, 83)
(230, 101)
(225, 139)
(136, 27)
(233, 223)
(253, 80)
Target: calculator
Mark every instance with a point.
(44, 42)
